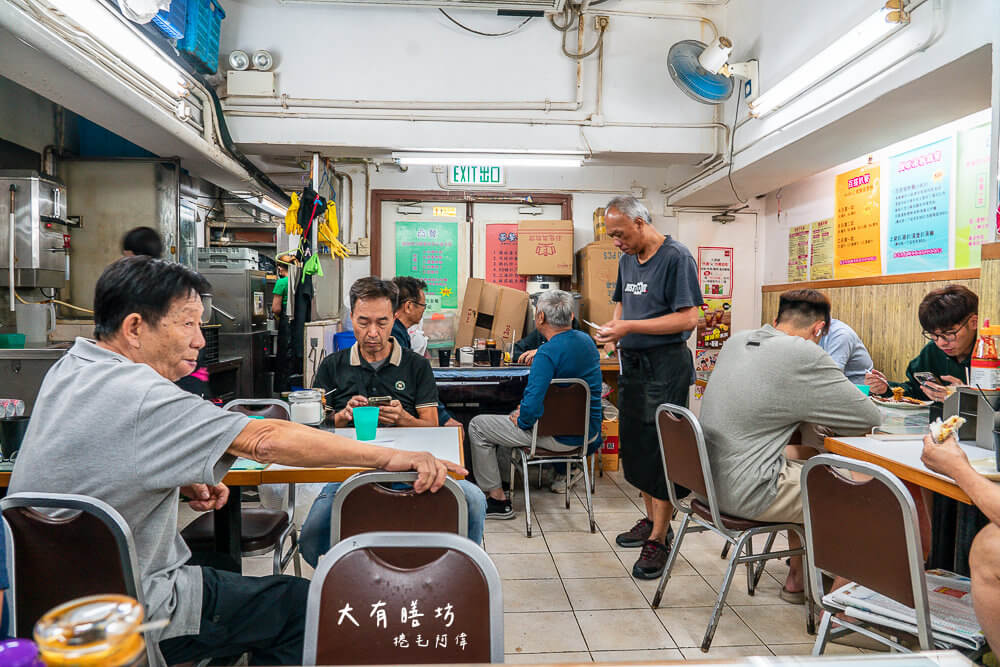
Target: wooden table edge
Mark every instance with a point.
(904, 472)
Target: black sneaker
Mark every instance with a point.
(637, 535)
(652, 560)
(498, 509)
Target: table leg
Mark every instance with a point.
(229, 533)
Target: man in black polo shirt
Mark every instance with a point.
(377, 366)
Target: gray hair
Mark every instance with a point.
(557, 306)
(630, 207)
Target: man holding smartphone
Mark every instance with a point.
(950, 319)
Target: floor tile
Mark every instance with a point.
(588, 565)
(623, 629)
(606, 490)
(777, 624)
(687, 627)
(681, 591)
(546, 658)
(525, 566)
(576, 542)
(563, 521)
(611, 593)
(617, 504)
(617, 522)
(515, 525)
(637, 655)
(706, 562)
(510, 543)
(544, 501)
(534, 595)
(542, 632)
(705, 540)
(725, 652)
(767, 592)
(806, 649)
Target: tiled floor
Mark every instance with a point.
(569, 595)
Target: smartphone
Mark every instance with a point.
(923, 377)
(591, 324)
(379, 400)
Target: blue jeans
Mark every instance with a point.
(314, 538)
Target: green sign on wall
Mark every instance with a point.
(429, 251)
(972, 198)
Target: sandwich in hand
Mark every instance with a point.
(941, 431)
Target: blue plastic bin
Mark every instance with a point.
(173, 22)
(201, 36)
(343, 340)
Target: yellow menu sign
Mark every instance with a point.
(857, 250)
(821, 259)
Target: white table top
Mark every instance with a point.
(907, 452)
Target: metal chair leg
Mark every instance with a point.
(593, 469)
(725, 551)
(674, 550)
(751, 583)
(824, 633)
(713, 623)
(590, 501)
(569, 476)
(760, 566)
(527, 494)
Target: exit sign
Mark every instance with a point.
(461, 174)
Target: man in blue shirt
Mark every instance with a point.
(847, 350)
(567, 354)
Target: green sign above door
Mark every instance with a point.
(463, 174)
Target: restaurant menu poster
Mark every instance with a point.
(429, 251)
(798, 253)
(919, 198)
(501, 256)
(704, 364)
(821, 253)
(857, 244)
(972, 197)
(715, 270)
(715, 323)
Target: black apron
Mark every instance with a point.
(649, 377)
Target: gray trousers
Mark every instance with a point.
(487, 432)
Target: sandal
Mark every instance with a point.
(792, 597)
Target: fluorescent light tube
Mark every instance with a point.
(498, 159)
(108, 29)
(852, 44)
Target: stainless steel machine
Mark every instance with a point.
(981, 410)
(38, 237)
(22, 372)
(239, 302)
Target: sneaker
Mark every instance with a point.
(652, 560)
(498, 509)
(559, 483)
(637, 535)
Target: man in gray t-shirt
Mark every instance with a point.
(109, 423)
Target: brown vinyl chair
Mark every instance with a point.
(86, 550)
(685, 462)
(457, 599)
(868, 533)
(263, 530)
(565, 412)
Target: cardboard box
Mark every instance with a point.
(491, 311)
(598, 272)
(545, 247)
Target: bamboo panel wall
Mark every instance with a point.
(883, 312)
(989, 297)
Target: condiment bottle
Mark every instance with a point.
(985, 365)
(96, 630)
(306, 406)
(491, 344)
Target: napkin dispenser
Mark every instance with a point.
(981, 410)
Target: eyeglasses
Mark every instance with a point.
(418, 303)
(947, 336)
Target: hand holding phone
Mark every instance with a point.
(379, 400)
(923, 377)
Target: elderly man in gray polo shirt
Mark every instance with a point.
(116, 428)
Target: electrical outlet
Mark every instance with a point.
(364, 247)
(437, 169)
(601, 22)
(669, 212)
(637, 191)
(352, 248)
(314, 343)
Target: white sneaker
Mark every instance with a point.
(559, 484)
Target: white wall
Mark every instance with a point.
(812, 199)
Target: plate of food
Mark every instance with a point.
(900, 402)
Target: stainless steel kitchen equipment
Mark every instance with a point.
(22, 372)
(981, 410)
(239, 299)
(39, 230)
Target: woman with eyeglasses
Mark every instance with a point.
(950, 319)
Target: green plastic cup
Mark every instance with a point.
(365, 422)
(865, 389)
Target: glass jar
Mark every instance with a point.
(306, 406)
(96, 630)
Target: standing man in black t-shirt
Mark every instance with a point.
(657, 300)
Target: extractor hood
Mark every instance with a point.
(527, 5)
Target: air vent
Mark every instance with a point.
(536, 5)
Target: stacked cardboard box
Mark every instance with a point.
(597, 271)
(545, 247)
(491, 311)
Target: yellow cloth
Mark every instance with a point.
(328, 231)
(292, 217)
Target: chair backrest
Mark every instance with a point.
(364, 504)
(864, 531)
(449, 610)
(87, 549)
(269, 408)
(565, 411)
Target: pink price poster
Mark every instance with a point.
(501, 256)
(715, 272)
